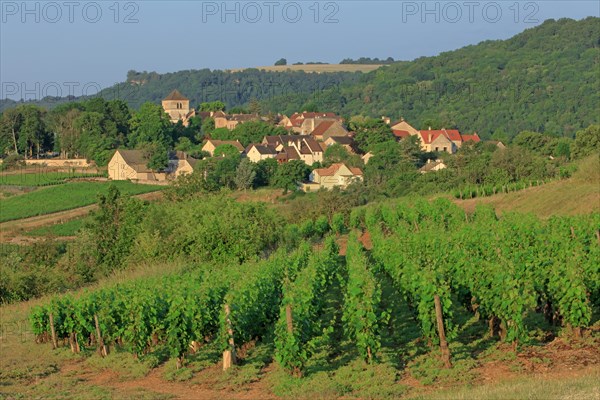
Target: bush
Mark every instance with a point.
(321, 226)
(338, 224)
(13, 161)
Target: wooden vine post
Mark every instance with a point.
(288, 319)
(229, 358)
(442, 332)
(53, 332)
(101, 346)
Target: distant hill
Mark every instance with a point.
(544, 79)
(234, 88)
(318, 68)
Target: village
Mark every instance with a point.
(310, 134)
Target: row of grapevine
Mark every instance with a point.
(471, 192)
(302, 305)
(501, 268)
(363, 316)
(252, 304)
(137, 316)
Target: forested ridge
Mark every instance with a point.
(544, 79)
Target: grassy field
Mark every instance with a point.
(68, 228)
(41, 179)
(63, 197)
(318, 68)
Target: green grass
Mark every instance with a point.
(69, 228)
(63, 197)
(42, 178)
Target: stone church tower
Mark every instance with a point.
(178, 107)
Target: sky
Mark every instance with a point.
(76, 47)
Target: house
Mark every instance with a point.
(432, 166)
(447, 140)
(230, 122)
(178, 108)
(212, 144)
(307, 148)
(286, 154)
(346, 142)
(132, 165)
(328, 128)
(304, 123)
(180, 163)
(336, 175)
(402, 129)
(257, 152)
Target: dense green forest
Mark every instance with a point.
(544, 79)
(233, 88)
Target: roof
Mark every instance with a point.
(343, 140)
(400, 133)
(234, 143)
(135, 159)
(242, 117)
(333, 169)
(262, 148)
(312, 144)
(451, 134)
(474, 137)
(180, 155)
(288, 153)
(175, 95)
(430, 166)
(322, 128)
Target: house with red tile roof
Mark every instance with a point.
(336, 175)
(304, 123)
(328, 128)
(447, 140)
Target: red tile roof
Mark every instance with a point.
(322, 128)
(400, 133)
(474, 137)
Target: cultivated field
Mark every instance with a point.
(43, 178)
(63, 197)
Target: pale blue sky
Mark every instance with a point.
(55, 43)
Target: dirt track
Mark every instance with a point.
(11, 231)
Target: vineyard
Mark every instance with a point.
(430, 259)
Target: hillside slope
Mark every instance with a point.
(544, 79)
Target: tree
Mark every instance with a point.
(212, 106)
(254, 107)
(290, 174)
(151, 124)
(587, 141)
(227, 151)
(10, 125)
(245, 175)
(281, 61)
(265, 171)
(337, 153)
(369, 132)
(156, 154)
